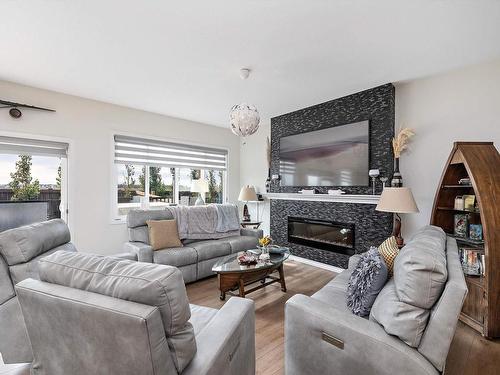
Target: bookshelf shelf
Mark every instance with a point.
(480, 162)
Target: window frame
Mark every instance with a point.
(121, 219)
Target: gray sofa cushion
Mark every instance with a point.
(422, 263)
(200, 317)
(138, 218)
(333, 295)
(366, 281)
(139, 234)
(21, 271)
(22, 244)
(210, 249)
(149, 284)
(400, 319)
(241, 243)
(175, 256)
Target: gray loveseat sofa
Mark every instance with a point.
(196, 258)
(20, 250)
(323, 336)
(100, 315)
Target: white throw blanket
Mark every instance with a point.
(205, 222)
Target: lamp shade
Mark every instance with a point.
(199, 186)
(397, 200)
(247, 193)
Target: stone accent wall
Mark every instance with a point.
(372, 227)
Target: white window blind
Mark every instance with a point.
(131, 150)
(26, 146)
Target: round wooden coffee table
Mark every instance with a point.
(234, 276)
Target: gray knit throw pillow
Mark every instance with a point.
(366, 281)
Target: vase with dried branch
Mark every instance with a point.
(268, 156)
(399, 145)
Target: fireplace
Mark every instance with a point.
(322, 234)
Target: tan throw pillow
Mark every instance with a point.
(389, 250)
(163, 234)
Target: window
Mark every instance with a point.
(34, 170)
(155, 174)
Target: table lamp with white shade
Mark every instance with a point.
(397, 200)
(247, 194)
(199, 186)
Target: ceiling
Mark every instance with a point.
(182, 58)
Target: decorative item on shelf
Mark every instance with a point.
(373, 173)
(307, 191)
(476, 232)
(383, 180)
(399, 145)
(247, 194)
(398, 201)
(464, 181)
(471, 260)
(244, 118)
(199, 186)
(335, 192)
(459, 203)
(469, 201)
(460, 225)
(268, 157)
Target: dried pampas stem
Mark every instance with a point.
(400, 142)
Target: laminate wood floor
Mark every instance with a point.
(470, 354)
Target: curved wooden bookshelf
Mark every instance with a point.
(479, 161)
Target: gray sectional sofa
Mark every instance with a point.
(100, 315)
(411, 324)
(20, 250)
(196, 258)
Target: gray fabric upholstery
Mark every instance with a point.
(21, 271)
(22, 244)
(226, 345)
(176, 256)
(441, 327)
(398, 318)
(210, 249)
(138, 218)
(139, 234)
(14, 343)
(16, 369)
(154, 285)
(200, 317)
(257, 233)
(144, 252)
(422, 262)
(77, 332)
(6, 286)
(368, 348)
(241, 243)
(189, 273)
(203, 252)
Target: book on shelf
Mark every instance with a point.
(472, 260)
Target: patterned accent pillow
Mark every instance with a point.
(365, 283)
(389, 250)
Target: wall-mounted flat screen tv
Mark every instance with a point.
(337, 156)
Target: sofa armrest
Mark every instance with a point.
(143, 251)
(321, 339)
(257, 233)
(227, 344)
(125, 255)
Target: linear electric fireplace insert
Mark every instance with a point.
(322, 234)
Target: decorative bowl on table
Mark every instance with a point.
(247, 259)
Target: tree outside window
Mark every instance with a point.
(22, 184)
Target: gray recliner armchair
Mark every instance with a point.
(100, 315)
(20, 250)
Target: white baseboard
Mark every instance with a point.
(316, 264)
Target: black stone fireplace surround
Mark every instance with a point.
(371, 227)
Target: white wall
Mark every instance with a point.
(89, 126)
(462, 105)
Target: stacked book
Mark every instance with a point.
(472, 260)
